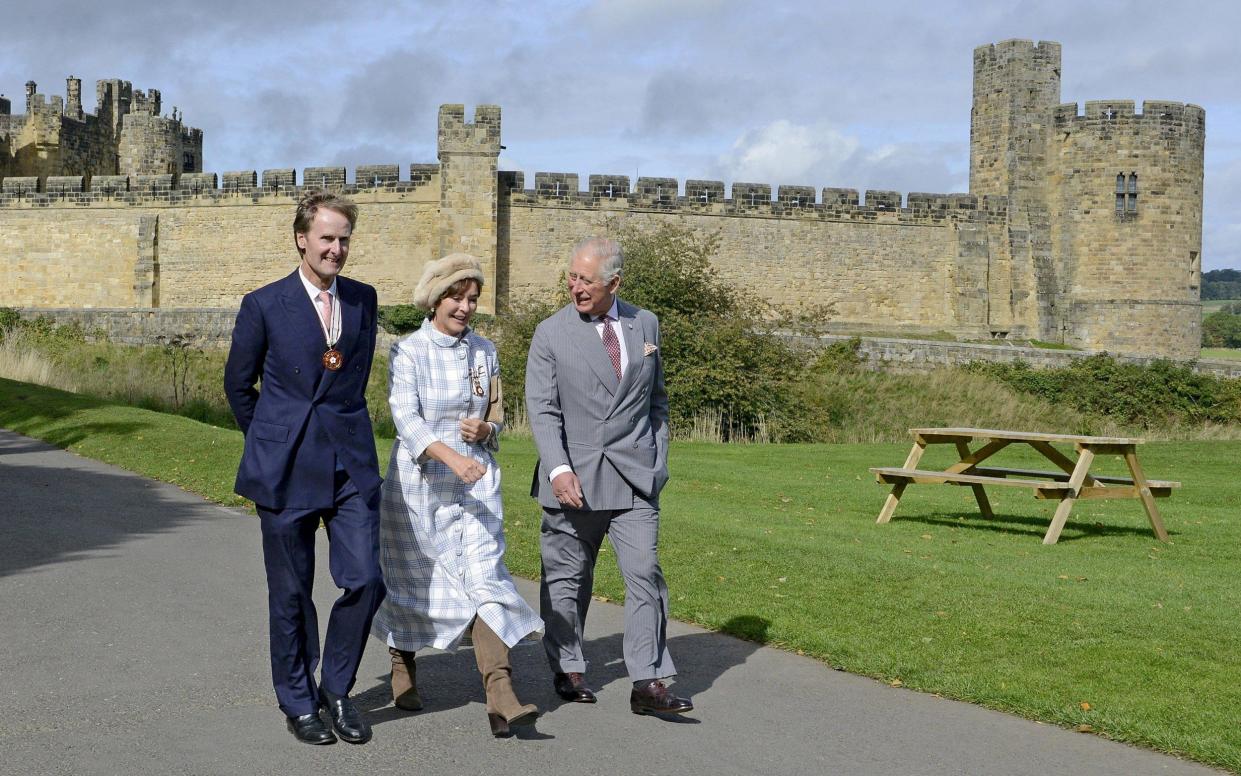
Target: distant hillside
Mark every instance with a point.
(1221, 284)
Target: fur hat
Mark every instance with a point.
(438, 277)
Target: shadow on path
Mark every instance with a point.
(448, 680)
(55, 514)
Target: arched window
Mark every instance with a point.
(1120, 193)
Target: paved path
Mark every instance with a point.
(133, 641)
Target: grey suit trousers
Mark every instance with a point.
(570, 546)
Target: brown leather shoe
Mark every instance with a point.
(656, 698)
(572, 687)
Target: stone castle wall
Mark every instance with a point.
(175, 248)
(910, 267)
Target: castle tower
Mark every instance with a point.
(468, 154)
(1127, 209)
(73, 98)
(1016, 86)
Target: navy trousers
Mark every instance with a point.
(352, 527)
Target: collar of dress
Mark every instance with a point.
(441, 339)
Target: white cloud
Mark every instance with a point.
(819, 155)
(784, 152)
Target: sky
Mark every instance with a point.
(842, 94)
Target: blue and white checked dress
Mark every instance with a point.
(442, 542)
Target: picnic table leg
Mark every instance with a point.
(980, 495)
(1084, 459)
(894, 498)
(1144, 493)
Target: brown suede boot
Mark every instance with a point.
(503, 708)
(404, 683)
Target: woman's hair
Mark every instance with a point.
(456, 288)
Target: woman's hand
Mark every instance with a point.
(467, 469)
(475, 430)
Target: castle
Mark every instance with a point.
(127, 136)
(1079, 228)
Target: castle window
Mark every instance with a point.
(1127, 194)
(187, 162)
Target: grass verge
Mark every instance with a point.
(1108, 629)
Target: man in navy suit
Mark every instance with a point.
(309, 458)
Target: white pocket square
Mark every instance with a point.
(648, 348)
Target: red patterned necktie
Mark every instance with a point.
(611, 344)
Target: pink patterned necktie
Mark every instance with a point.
(611, 344)
(325, 310)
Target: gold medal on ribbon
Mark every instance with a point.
(333, 360)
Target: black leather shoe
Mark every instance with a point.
(656, 698)
(309, 729)
(572, 687)
(346, 719)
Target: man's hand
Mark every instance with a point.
(567, 489)
(475, 430)
(467, 469)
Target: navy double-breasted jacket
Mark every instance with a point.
(300, 419)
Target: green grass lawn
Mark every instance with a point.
(1213, 305)
(1232, 354)
(779, 544)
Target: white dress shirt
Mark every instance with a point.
(313, 291)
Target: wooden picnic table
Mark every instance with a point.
(1070, 481)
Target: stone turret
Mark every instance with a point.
(468, 154)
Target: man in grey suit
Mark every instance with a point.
(599, 413)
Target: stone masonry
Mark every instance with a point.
(1079, 228)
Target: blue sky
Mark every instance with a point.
(857, 95)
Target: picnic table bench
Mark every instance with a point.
(1070, 481)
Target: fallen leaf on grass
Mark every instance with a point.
(1085, 728)
(1085, 706)
(896, 683)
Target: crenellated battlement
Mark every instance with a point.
(1114, 114)
(613, 192)
(184, 188)
(456, 135)
(1016, 49)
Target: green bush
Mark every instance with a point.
(400, 318)
(717, 358)
(1157, 394)
(9, 320)
(1222, 329)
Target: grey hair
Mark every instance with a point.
(607, 250)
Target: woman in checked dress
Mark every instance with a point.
(441, 519)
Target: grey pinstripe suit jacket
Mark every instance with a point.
(614, 433)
